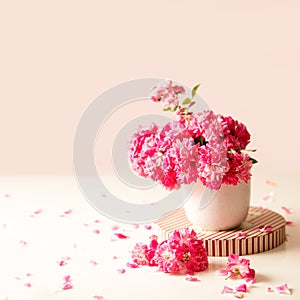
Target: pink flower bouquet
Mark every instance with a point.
(195, 146)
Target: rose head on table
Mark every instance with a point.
(201, 146)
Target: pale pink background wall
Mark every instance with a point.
(57, 56)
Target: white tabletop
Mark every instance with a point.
(46, 220)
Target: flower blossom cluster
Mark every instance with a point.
(195, 146)
(238, 268)
(183, 252)
(236, 138)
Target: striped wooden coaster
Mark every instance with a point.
(223, 243)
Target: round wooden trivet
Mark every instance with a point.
(223, 243)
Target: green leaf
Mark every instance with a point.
(248, 150)
(191, 104)
(167, 109)
(194, 90)
(186, 101)
(254, 161)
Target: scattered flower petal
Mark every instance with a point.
(93, 262)
(286, 210)
(271, 183)
(121, 235)
(241, 234)
(115, 227)
(98, 297)
(28, 285)
(67, 286)
(23, 243)
(67, 278)
(135, 226)
(227, 290)
(115, 257)
(270, 290)
(239, 296)
(269, 197)
(121, 271)
(265, 229)
(62, 263)
(283, 289)
(132, 265)
(96, 231)
(289, 223)
(241, 288)
(148, 227)
(191, 278)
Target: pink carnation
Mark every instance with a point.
(239, 268)
(143, 254)
(238, 168)
(182, 252)
(236, 134)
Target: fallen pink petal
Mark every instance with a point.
(121, 271)
(241, 234)
(121, 235)
(148, 227)
(23, 243)
(132, 265)
(28, 285)
(191, 278)
(283, 289)
(227, 290)
(67, 278)
(98, 297)
(115, 227)
(67, 286)
(270, 290)
(239, 296)
(265, 229)
(96, 231)
(271, 183)
(286, 210)
(289, 223)
(93, 262)
(241, 288)
(97, 221)
(62, 263)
